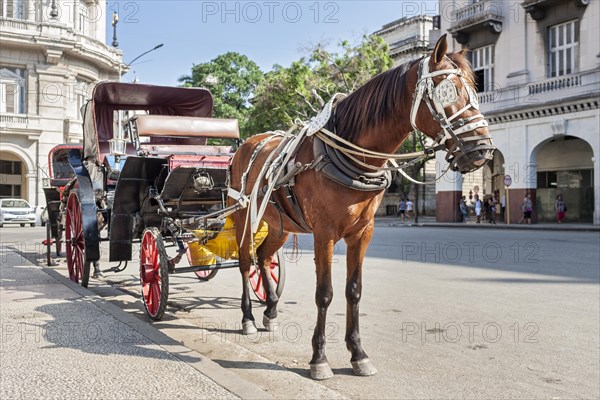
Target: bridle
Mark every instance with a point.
(437, 98)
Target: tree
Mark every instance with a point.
(232, 79)
(300, 90)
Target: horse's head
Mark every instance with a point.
(445, 108)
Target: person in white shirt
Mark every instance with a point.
(409, 209)
(478, 206)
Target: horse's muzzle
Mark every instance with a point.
(472, 156)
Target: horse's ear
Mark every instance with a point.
(463, 52)
(439, 52)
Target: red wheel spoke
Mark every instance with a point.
(252, 273)
(274, 276)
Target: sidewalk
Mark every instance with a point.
(59, 340)
(427, 221)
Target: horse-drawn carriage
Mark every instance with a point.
(154, 167)
(60, 175)
(166, 176)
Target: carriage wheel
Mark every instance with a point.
(277, 273)
(206, 275)
(154, 273)
(79, 267)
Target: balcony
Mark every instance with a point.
(476, 17)
(408, 45)
(20, 124)
(548, 93)
(537, 8)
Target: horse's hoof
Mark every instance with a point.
(320, 372)
(363, 367)
(249, 328)
(270, 324)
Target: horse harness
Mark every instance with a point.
(335, 157)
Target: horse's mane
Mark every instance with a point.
(381, 97)
(370, 104)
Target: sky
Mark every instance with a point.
(268, 32)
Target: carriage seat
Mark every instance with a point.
(179, 126)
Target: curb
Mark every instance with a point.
(532, 227)
(227, 379)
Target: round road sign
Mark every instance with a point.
(507, 180)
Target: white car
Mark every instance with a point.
(16, 211)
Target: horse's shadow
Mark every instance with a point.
(303, 372)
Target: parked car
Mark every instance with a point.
(41, 215)
(16, 211)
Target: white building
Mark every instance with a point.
(537, 64)
(51, 54)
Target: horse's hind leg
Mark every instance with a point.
(357, 247)
(319, 367)
(248, 325)
(265, 252)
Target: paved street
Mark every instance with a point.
(446, 313)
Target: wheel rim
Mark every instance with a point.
(150, 273)
(256, 280)
(75, 239)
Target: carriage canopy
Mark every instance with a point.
(108, 97)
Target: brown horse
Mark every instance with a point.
(374, 117)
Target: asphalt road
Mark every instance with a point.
(446, 313)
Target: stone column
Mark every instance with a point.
(448, 191)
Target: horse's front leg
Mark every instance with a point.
(319, 367)
(357, 247)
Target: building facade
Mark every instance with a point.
(537, 66)
(51, 55)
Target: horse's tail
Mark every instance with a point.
(294, 253)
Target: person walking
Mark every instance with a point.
(527, 208)
(409, 210)
(402, 209)
(560, 207)
(478, 206)
(492, 202)
(463, 209)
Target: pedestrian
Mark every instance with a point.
(463, 209)
(492, 202)
(503, 205)
(401, 209)
(478, 206)
(527, 208)
(560, 207)
(409, 209)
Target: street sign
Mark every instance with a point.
(507, 180)
(476, 189)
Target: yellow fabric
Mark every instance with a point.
(223, 245)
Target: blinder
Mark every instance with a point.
(460, 157)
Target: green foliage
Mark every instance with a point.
(272, 101)
(232, 79)
(300, 90)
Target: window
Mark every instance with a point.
(12, 90)
(482, 61)
(563, 43)
(83, 17)
(13, 9)
(8, 191)
(10, 167)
